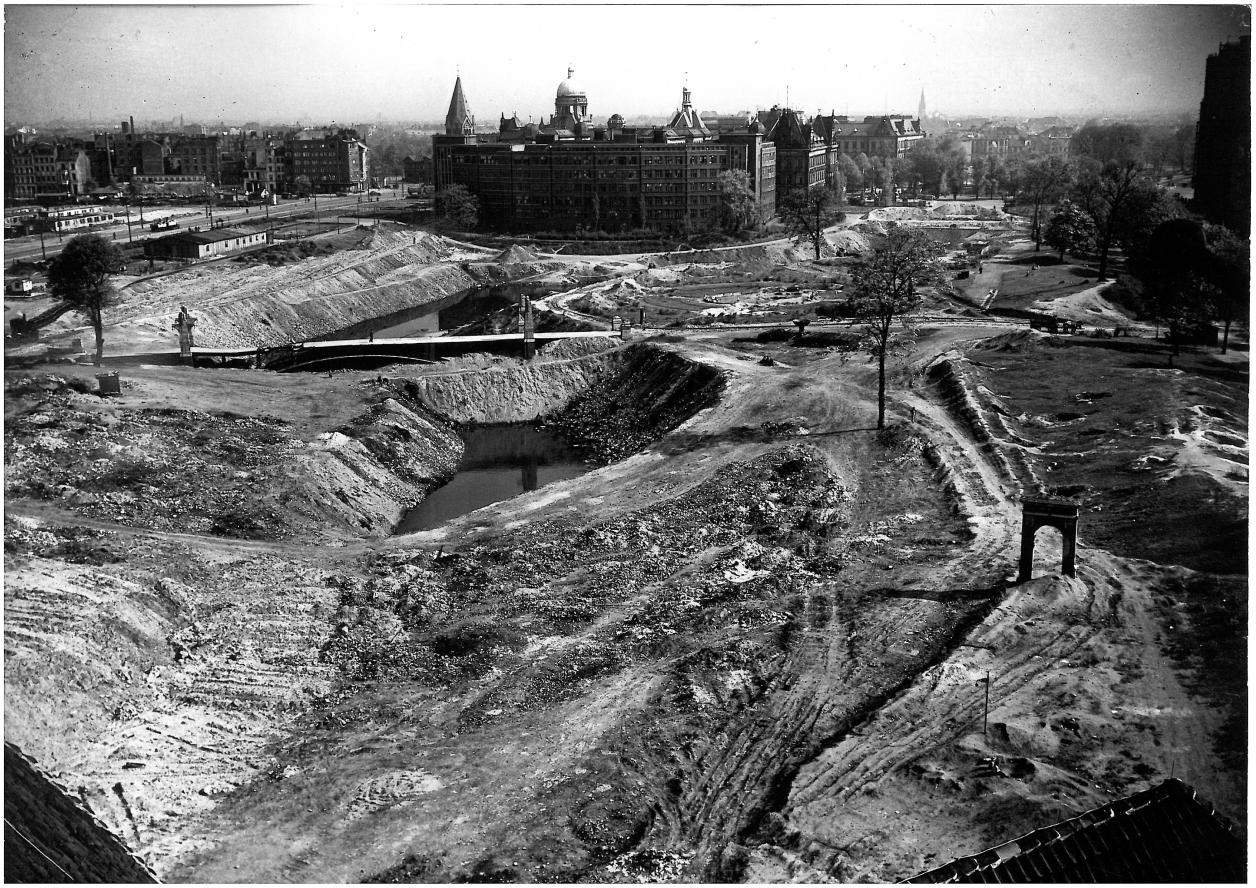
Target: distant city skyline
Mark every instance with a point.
(321, 64)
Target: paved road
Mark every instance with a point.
(328, 207)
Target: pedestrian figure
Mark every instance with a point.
(981, 269)
(371, 336)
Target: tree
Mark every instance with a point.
(1178, 284)
(1228, 271)
(807, 212)
(1069, 229)
(954, 164)
(1043, 180)
(851, 172)
(79, 276)
(1104, 191)
(737, 203)
(885, 287)
(458, 208)
(865, 169)
(979, 173)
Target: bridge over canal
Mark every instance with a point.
(319, 354)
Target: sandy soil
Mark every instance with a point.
(750, 651)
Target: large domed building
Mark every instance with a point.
(569, 173)
(570, 104)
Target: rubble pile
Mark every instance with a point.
(724, 557)
(651, 393)
(218, 473)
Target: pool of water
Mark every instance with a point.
(500, 461)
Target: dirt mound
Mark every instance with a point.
(897, 214)
(1018, 341)
(848, 243)
(515, 253)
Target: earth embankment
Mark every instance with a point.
(241, 303)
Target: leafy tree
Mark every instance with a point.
(979, 168)
(885, 287)
(1042, 181)
(1178, 285)
(865, 169)
(851, 172)
(882, 171)
(924, 167)
(1106, 192)
(954, 164)
(458, 207)
(737, 204)
(1228, 271)
(1069, 229)
(807, 212)
(1146, 208)
(79, 276)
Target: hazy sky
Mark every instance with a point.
(351, 63)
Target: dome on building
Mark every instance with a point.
(616, 121)
(568, 87)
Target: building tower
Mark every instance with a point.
(920, 112)
(570, 101)
(1223, 138)
(459, 122)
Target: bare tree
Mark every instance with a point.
(806, 213)
(885, 289)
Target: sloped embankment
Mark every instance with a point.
(650, 392)
(258, 305)
(220, 473)
(609, 404)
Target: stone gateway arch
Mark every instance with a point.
(1058, 513)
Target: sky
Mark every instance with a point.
(325, 63)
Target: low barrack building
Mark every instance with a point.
(203, 244)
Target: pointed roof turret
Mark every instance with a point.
(459, 122)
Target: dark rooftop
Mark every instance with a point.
(1163, 834)
(50, 837)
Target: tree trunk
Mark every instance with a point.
(1225, 337)
(881, 386)
(99, 327)
(1037, 230)
(1103, 253)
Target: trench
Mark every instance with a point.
(523, 426)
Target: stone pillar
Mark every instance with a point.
(529, 331)
(1029, 528)
(184, 323)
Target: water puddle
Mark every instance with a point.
(501, 461)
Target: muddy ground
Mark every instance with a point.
(748, 647)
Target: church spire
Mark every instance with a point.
(920, 112)
(459, 122)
